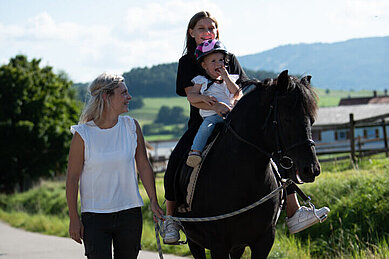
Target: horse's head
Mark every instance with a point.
(295, 111)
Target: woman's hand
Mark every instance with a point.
(221, 109)
(76, 230)
(157, 211)
(210, 100)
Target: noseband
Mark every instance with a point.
(279, 156)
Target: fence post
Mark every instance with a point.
(352, 138)
(385, 137)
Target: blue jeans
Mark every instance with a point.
(123, 229)
(205, 130)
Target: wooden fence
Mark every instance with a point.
(356, 146)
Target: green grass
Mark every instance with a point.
(333, 97)
(357, 226)
(149, 111)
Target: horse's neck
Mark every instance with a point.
(250, 114)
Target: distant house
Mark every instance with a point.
(365, 100)
(331, 128)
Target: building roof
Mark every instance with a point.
(364, 100)
(341, 114)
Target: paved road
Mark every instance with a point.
(16, 243)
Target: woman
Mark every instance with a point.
(102, 157)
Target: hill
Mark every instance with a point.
(350, 65)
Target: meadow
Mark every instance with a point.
(357, 226)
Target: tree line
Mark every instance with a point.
(159, 81)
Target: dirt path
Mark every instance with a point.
(17, 243)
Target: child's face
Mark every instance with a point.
(212, 64)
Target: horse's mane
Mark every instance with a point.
(308, 94)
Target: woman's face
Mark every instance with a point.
(205, 29)
(120, 99)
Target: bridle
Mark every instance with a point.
(279, 156)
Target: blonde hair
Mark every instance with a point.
(103, 84)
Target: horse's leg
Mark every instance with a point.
(236, 253)
(197, 251)
(261, 248)
(219, 254)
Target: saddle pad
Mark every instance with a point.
(190, 189)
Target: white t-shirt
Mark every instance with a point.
(108, 181)
(219, 91)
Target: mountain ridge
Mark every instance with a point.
(357, 64)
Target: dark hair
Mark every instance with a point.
(190, 43)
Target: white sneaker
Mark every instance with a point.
(304, 218)
(170, 233)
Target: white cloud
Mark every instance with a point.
(146, 33)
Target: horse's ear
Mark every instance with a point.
(283, 81)
(306, 80)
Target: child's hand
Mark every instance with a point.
(223, 73)
(210, 100)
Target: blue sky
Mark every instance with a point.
(87, 37)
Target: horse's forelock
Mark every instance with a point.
(309, 96)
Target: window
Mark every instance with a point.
(341, 134)
(371, 133)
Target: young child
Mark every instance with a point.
(217, 86)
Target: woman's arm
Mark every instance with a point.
(220, 108)
(146, 172)
(75, 165)
(194, 96)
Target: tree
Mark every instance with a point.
(136, 103)
(38, 108)
(168, 116)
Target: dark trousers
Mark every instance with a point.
(123, 229)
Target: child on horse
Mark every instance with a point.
(217, 86)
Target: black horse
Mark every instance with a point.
(273, 119)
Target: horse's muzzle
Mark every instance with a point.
(308, 174)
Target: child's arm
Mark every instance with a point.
(194, 96)
(233, 88)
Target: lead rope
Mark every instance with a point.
(157, 225)
(157, 230)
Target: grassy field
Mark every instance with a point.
(149, 111)
(357, 227)
(333, 97)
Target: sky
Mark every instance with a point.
(87, 37)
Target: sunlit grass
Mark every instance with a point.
(357, 226)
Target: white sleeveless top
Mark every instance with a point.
(108, 181)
